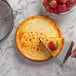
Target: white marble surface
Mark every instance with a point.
(12, 63)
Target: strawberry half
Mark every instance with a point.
(49, 9)
(53, 3)
(45, 2)
(52, 46)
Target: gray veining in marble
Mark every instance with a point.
(12, 63)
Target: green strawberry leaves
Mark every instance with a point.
(57, 44)
(52, 3)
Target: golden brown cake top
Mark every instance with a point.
(28, 33)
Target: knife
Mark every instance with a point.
(64, 54)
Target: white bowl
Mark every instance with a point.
(73, 8)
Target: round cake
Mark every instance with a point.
(28, 34)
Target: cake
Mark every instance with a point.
(53, 44)
(28, 34)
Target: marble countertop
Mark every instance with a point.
(12, 63)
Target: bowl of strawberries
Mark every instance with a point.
(59, 7)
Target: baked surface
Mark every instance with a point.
(28, 33)
(60, 42)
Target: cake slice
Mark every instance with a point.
(53, 45)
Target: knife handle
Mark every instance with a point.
(73, 54)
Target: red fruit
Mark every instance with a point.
(56, 10)
(57, 0)
(71, 2)
(49, 9)
(62, 1)
(50, 0)
(45, 2)
(68, 8)
(53, 3)
(52, 46)
(62, 8)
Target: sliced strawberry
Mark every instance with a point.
(62, 1)
(62, 8)
(71, 2)
(53, 3)
(49, 9)
(52, 46)
(68, 8)
(45, 2)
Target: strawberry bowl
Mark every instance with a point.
(59, 7)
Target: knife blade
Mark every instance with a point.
(47, 48)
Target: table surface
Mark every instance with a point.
(12, 63)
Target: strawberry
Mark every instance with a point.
(62, 8)
(52, 46)
(45, 2)
(49, 9)
(50, 0)
(71, 2)
(68, 8)
(53, 3)
(56, 10)
(62, 1)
